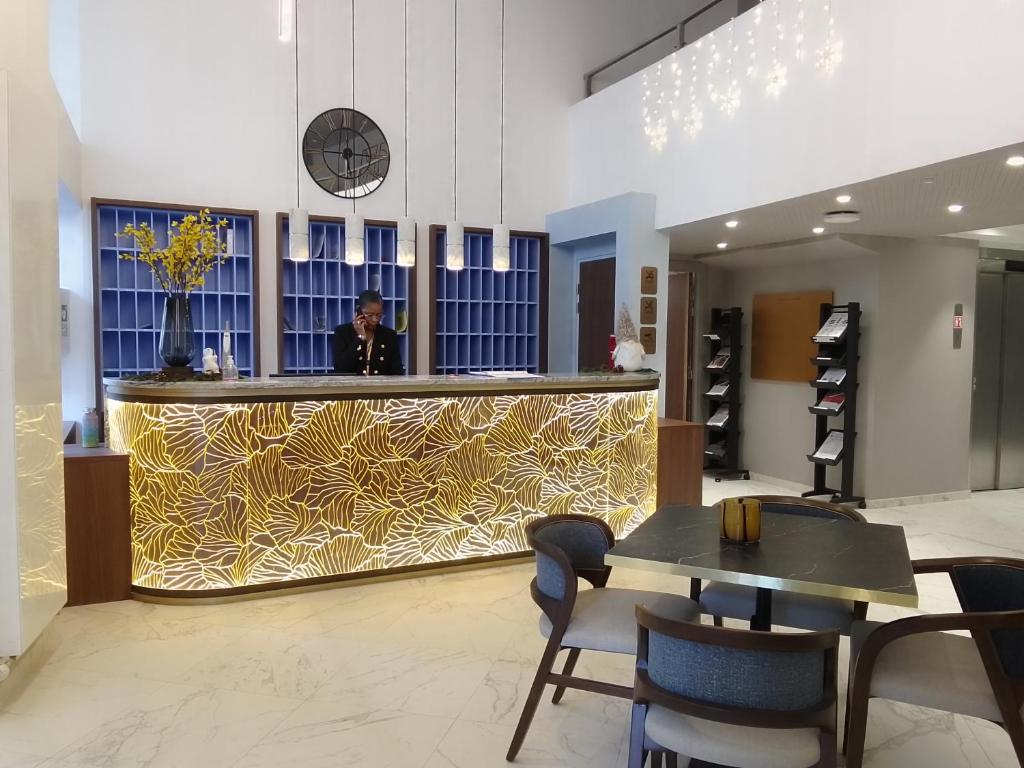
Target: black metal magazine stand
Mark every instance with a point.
(836, 398)
(722, 448)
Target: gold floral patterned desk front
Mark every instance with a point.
(229, 496)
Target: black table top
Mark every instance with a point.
(816, 556)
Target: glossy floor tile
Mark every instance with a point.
(428, 672)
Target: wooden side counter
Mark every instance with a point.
(98, 520)
(680, 462)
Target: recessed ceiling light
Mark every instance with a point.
(843, 199)
(818, 230)
(955, 208)
(842, 217)
(928, 181)
(732, 224)
(722, 246)
(1016, 161)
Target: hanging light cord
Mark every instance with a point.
(298, 146)
(501, 134)
(353, 76)
(405, 23)
(455, 112)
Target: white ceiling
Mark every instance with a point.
(907, 204)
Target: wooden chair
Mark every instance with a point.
(789, 609)
(734, 696)
(915, 660)
(599, 619)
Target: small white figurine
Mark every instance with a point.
(210, 361)
(629, 352)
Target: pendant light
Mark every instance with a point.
(355, 244)
(298, 219)
(500, 254)
(406, 253)
(454, 234)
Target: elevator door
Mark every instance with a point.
(997, 411)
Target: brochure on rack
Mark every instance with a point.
(720, 360)
(720, 417)
(721, 389)
(832, 376)
(833, 330)
(833, 402)
(830, 449)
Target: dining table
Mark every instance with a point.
(828, 557)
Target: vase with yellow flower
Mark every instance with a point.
(195, 246)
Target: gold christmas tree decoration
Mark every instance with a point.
(624, 328)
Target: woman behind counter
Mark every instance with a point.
(364, 345)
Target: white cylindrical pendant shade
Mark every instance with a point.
(500, 255)
(406, 254)
(454, 251)
(298, 235)
(355, 244)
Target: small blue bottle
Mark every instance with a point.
(90, 429)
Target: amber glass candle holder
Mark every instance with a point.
(741, 520)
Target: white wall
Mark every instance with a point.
(922, 405)
(32, 567)
(204, 112)
(897, 101)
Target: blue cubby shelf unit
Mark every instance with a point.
(319, 295)
(131, 303)
(486, 320)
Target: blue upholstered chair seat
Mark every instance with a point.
(605, 619)
(937, 670)
(789, 609)
(726, 744)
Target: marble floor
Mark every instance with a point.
(420, 673)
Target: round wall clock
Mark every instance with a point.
(346, 153)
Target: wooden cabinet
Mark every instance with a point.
(98, 519)
(680, 462)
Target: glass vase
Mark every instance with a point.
(177, 334)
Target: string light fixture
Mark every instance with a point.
(713, 68)
(830, 56)
(455, 256)
(355, 227)
(298, 219)
(405, 255)
(776, 80)
(501, 256)
(730, 99)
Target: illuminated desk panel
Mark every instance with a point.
(286, 482)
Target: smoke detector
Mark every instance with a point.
(842, 217)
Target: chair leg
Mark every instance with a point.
(547, 662)
(829, 759)
(1015, 728)
(856, 727)
(671, 760)
(637, 753)
(656, 759)
(570, 665)
(717, 620)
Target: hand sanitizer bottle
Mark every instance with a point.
(229, 371)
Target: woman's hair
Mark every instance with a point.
(370, 297)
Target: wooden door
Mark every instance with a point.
(677, 350)
(596, 309)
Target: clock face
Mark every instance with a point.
(346, 153)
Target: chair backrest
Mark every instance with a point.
(796, 505)
(990, 587)
(568, 546)
(739, 676)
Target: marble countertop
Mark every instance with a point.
(816, 556)
(339, 387)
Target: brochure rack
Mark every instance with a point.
(722, 451)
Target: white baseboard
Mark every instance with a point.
(928, 498)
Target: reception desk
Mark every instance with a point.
(270, 483)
